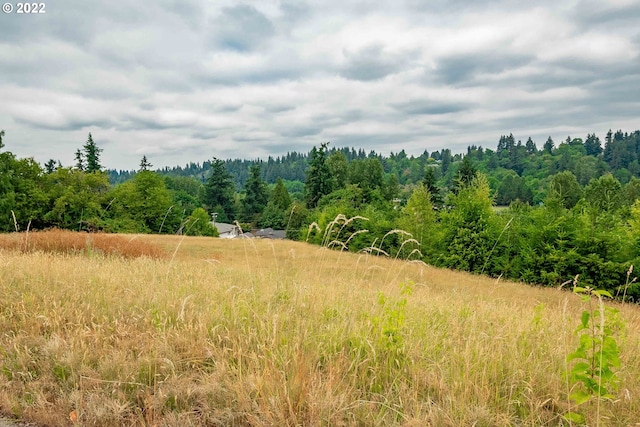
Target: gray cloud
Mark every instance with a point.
(465, 69)
(301, 130)
(598, 13)
(185, 80)
(241, 28)
(424, 106)
(370, 63)
(68, 124)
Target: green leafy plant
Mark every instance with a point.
(390, 323)
(591, 374)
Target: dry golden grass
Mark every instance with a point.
(65, 241)
(276, 333)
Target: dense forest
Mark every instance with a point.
(537, 214)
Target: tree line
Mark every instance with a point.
(567, 211)
(81, 197)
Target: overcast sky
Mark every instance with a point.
(187, 80)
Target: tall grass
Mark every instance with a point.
(257, 333)
(65, 241)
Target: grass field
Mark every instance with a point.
(187, 331)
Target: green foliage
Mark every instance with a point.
(280, 196)
(465, 175)
(592, 145)
(276, 213)
(631, 191)
(22, 196)
(297, 217)
(468, 236)
(389, 324)
(79, 158)
(419, 218)
(76, 199)
(219, 191)
(604, 194)
(198, 224)
(391, 188)
(351, 197)
(339, 169)
(548, 146)
(431, 185)
(143, 204)
(633, 231)
(319, 181)
(367, 174)
(591, 375)
(513, 187)
(256, 196)
(564, 190)
(92, 156)
(186, 193)
(388, 336)
(445, 161)
(50, 166)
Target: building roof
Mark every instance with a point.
(226, 228)
(270, 233)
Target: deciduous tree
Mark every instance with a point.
(419, 219)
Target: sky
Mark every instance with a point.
(187, 80)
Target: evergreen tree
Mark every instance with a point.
(517, 154)
(79, 158)
(592, 145)
(468, 234)
(144, 164)
(256, 196)
(531, 146)
(431, 185)
(276, 214)
(445, 160)
(502, 145)
(631, 191)
(391, 187)
(465, 175)
(50, 166)
(92, 155)
(219, 192)
(548, 146)
(1, 136)
(318, 180)
(280, 196)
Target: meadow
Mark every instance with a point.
(141, 330)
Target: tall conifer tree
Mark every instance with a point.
(219, 191)
(92, 155)
(319, 181)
